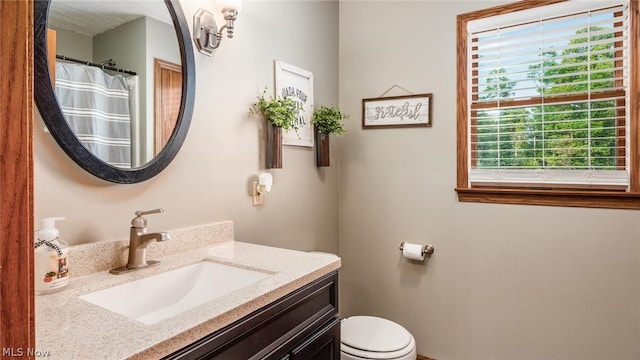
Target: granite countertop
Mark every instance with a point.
(71, 328)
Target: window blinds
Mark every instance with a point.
(547, 99)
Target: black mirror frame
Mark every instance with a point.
(53, 117)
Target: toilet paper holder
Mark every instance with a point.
(426, 248)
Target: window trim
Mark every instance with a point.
(572, 198)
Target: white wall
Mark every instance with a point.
(209, 178)
(505, 282)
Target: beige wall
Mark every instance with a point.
(505, 282)
(209, 178)
(71, 44)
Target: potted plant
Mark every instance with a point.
(280, 113)
(326, 120)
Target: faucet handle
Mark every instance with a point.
(149, 212)
(141, 222)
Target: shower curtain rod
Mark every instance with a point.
(104, 67)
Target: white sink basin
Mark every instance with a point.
(153, 299)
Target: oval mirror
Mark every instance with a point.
(115, 86)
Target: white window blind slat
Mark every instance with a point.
(526, 84)
(489, 111)
(603, 179)
(504, 39)
(523, 54)
(519, 63)
(543, 12)
(548, 96)
(523, 92)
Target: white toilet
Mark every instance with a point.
(369, 337)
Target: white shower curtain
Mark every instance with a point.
(96, 106)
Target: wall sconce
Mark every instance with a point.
(206, 34)
(261, 187)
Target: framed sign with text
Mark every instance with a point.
(397, 111)
(294, 82)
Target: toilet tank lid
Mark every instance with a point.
(372, 333)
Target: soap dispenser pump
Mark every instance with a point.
(51, 258)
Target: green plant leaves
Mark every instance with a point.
(281, 112)
(328, 120)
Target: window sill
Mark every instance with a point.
(568, 198)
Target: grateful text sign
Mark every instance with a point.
(397, 111)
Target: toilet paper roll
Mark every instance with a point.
(413, 251)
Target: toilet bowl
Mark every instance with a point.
(369, 337)
(373, 338)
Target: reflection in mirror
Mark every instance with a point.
(136, 56)
(105, 76)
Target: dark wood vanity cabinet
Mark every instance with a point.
(322, 345)
(303, 325)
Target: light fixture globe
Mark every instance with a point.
(229, 5)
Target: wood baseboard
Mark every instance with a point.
(420, 357)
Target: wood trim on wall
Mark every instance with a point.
(420, 357)
(634, 95)
(167, 89)
(461, 104)
(52, 50)
(17, 319)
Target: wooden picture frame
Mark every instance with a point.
(397, 111)
(297, 83)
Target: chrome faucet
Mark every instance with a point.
(139, 239)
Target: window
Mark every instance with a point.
(548, 104)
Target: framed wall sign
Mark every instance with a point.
(296, 83)
(397, 111)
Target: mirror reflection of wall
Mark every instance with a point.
(133, 46)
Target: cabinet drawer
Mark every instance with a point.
(322, 345)
(271, 332)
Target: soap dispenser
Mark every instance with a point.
(51, 258)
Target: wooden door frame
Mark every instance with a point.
(17, 310)
(158, 66)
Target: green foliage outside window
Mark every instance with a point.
(574, 135)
